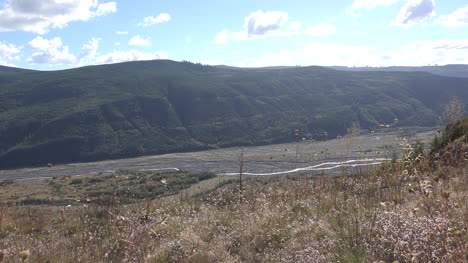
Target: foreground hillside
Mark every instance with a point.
(139, 108)
(414, 210)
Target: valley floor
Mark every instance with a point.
(258, 159)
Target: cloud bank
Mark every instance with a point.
(419, 53)
(8, 52)
(41, 16)
(456, 19)
(132, 55)
(53, 52)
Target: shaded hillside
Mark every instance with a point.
(138, 108)
(447, 70)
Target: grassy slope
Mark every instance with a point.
(408, 211)
(137, 108)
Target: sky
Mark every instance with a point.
(62, 34)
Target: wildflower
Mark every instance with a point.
(447, 156)
(296, 133)
(163, 181)
(446, 194)
(24, 255)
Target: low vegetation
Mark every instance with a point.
(121, 187)
(410, 210)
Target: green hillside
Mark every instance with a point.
(150, 107)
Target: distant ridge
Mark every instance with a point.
(5, 69)
(455, 70)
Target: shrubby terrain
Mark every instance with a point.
(410, 210)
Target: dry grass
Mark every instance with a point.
(123, 186)
(409, 211)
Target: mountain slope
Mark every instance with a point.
(151, 107)
(447, 70)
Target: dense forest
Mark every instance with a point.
(150, 107)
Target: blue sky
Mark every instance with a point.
(60, 34)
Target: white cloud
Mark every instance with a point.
(416, 54)
(132, 55)
(90, 49)
(121, 32)
(53, 52)
(456, 19)
(365, 4)
(8, 52)
(40, 43)
(106, 8)
(54, 57)
(139, 41)
(41, 16)
(261, 24)
(222, 37)
(414, 12)
(151, 20)
(321, 30)
(117, 43)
